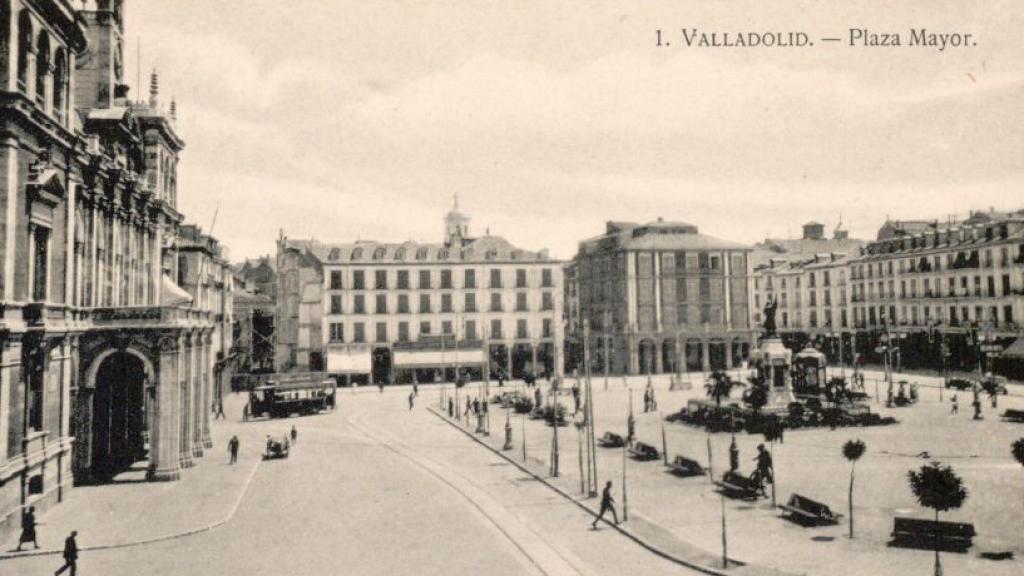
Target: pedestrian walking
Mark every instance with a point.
(954, 406)
(28, 528)
(654, 401)
(70, 555)
(380, 385)
(607, 504)
(451, 408)
(220, 410)
(476, 406)
(734, 456)
(501, 379)
(416, 389)
(576, 397)
(294, 434)
(764, 472)
(538, 397)
(245, 413)
(233, 449)
(647, 401)
(412, 397)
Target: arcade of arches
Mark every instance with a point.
(671, 354)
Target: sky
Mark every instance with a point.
(343, 120)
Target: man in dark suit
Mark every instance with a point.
(70, 555)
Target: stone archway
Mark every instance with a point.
(120, 411)
(647, 350)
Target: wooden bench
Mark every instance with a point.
(929, 534)
(683, 466)
(734, 484)
(645, 452)
(1013, 415)
(611, 440)
(807, 512)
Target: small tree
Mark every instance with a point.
(1018, 451)
(853, 450)
(719, 386)
(937, 487)
(757, 395)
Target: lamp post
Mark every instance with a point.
(554, 427)
(590, 408)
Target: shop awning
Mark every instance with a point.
(437, 358)
(1015, 350)
(351, 359)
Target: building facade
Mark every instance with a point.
(298, 313)
(253, 314)
(417, 312)
(661, 297)
(945, 289)
(105, 360)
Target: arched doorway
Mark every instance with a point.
(119, 414)
(381, 359)
(668, 355)
(646, 352)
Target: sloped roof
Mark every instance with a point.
(484, 248)
(171, 294)
(658, 235)
(801, 248)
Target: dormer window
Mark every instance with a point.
(335, 254)
(400, 254)
(378, 254)
(421, 254)
(357, 254)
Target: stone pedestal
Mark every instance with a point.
(777, 363)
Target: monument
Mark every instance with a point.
(775, 362)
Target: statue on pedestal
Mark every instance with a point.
(769, 317)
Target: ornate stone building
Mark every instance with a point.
(661, 297)
(105, 360)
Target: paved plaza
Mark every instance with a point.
(810, 463)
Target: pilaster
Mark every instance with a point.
(185, 379)
(163, 453)
(207, 404)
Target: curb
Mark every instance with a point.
(640, 541)
(154, 540)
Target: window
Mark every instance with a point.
(360, 333)
(521, 329)
(425, 328)
(381, 332)
(470, 330)
(424, 303)
(337, 332)
(496, 329)
(380, 280)
(547, 328)
(446, 279)
(520, 301)
(40, 262)
(358, 280)
(403, 331)
(470, 301)
(403, 279)
(495, 302)
(359, 304)
(545, 278)
(424, 279)
(446, 302)
(547, 302)
(336, 303)
(495, 278)
(24, 47)
(60, 83)
(335, 279)
(403, 303)
(381, 306)
(520, 278)
(34, 400)
(470, 279)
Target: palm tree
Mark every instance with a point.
(719, 386)
(1017, 450)
(853, 450)
(937, 487)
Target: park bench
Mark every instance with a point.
(734, 484)
(1013, 415)
(683, 466)
(807, 512)
(611, 440)
(931, 534)
(645, 452)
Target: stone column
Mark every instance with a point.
(728, 354)
(656, 367)
(185, 379)
(705, 348)
(10, 376)
(207, 394)
(198, 407)
(681, 367)
(634, 356)
(11, 215)
(533, 357)
(164, 441)
(508, 356)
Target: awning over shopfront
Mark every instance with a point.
(1014, 351)
(349, 359)
(437, 358)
